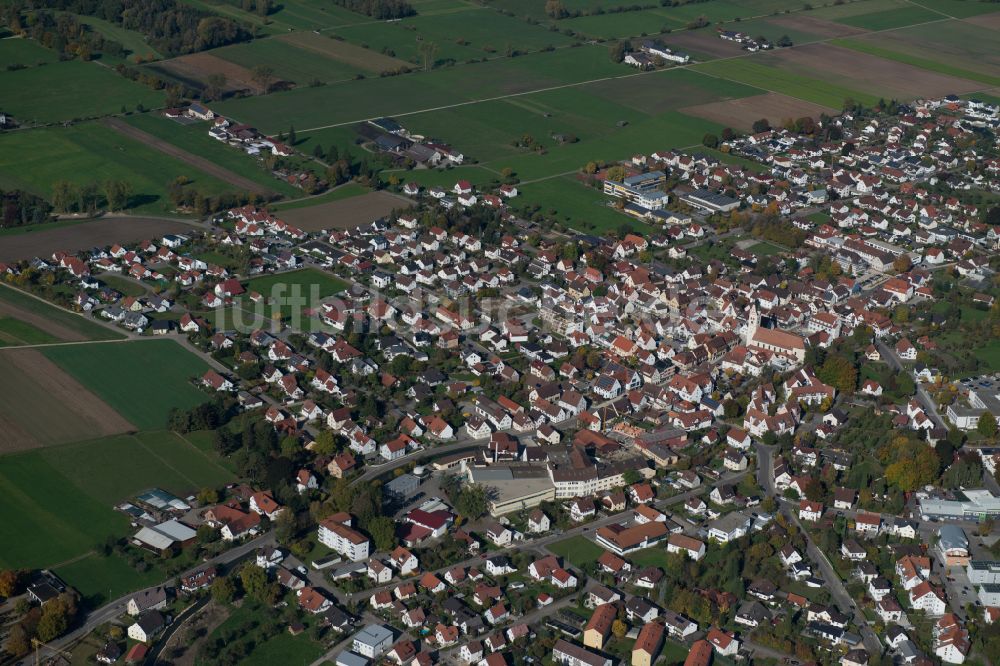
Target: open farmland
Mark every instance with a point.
(957, 48)
(810, 88)
(140, 379)
(65, 494)
(345, 53)
(194, 141)
(67, 90)
(91, 153)
(196, 161)
(288, 62)
(100, 232)
(42, 405)
(25, 52)
(460, 36)
(54, 321)
(345, 213)
(398, 96)
(872, 75)
(741, 113)
(193, 70)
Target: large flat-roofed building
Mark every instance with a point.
(964, 505)
(983, 572)
(989, 594)
(641, 189)
(514, 487)
(622, 540)
(710, 201)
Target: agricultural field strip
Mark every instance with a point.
(576, 84)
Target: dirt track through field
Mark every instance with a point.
(69, 411)
(41, 323)
(197, 162)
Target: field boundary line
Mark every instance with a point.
(163, 460)
(204, 455)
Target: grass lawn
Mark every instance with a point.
(91, 153)
(121, 284)
(61, 498)
(140, 380)
(764, 249)
(576, 205)
(578, 551)
(70, 90)
(16, 332)
(650, 557)
(280, 649)
(100, 579)
(84, 327)
(287, 292)
(195, 140)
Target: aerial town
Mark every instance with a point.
(752, 420)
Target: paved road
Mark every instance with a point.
(833, 583)
(889, 354)
(116, 608)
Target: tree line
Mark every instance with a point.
(69, 197)
(19, 208)
(170, 26)
(63, 33)
(379, 9)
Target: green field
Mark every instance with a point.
(892, 18)
(751, 72)
(287, 291)
(310, 108)
(25, 52)
(91, 153)
(578, 551)
(81, 325)
(16, 332)
(66, 91)
(287, 15)
(60, 499)
(930, 65)
(460, 36)
(289, 62)
(141, 380)
(575, 205)
(282, 648)
(195, 139)
(345, 191)
(958, 8)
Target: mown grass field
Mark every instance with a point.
(90, 153)
(289, 62)
(818, 90)
(26, 52)
(309, 108)
(459, 36)
(195, 140)
(70, 90)
(13, 331)
(287, 292)
(578, 550)
(930, 64)
(892, 18)
(66, 320)
(60, 500)
(142, 381)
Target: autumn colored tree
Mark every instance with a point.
(619, 629)
(10, 582)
